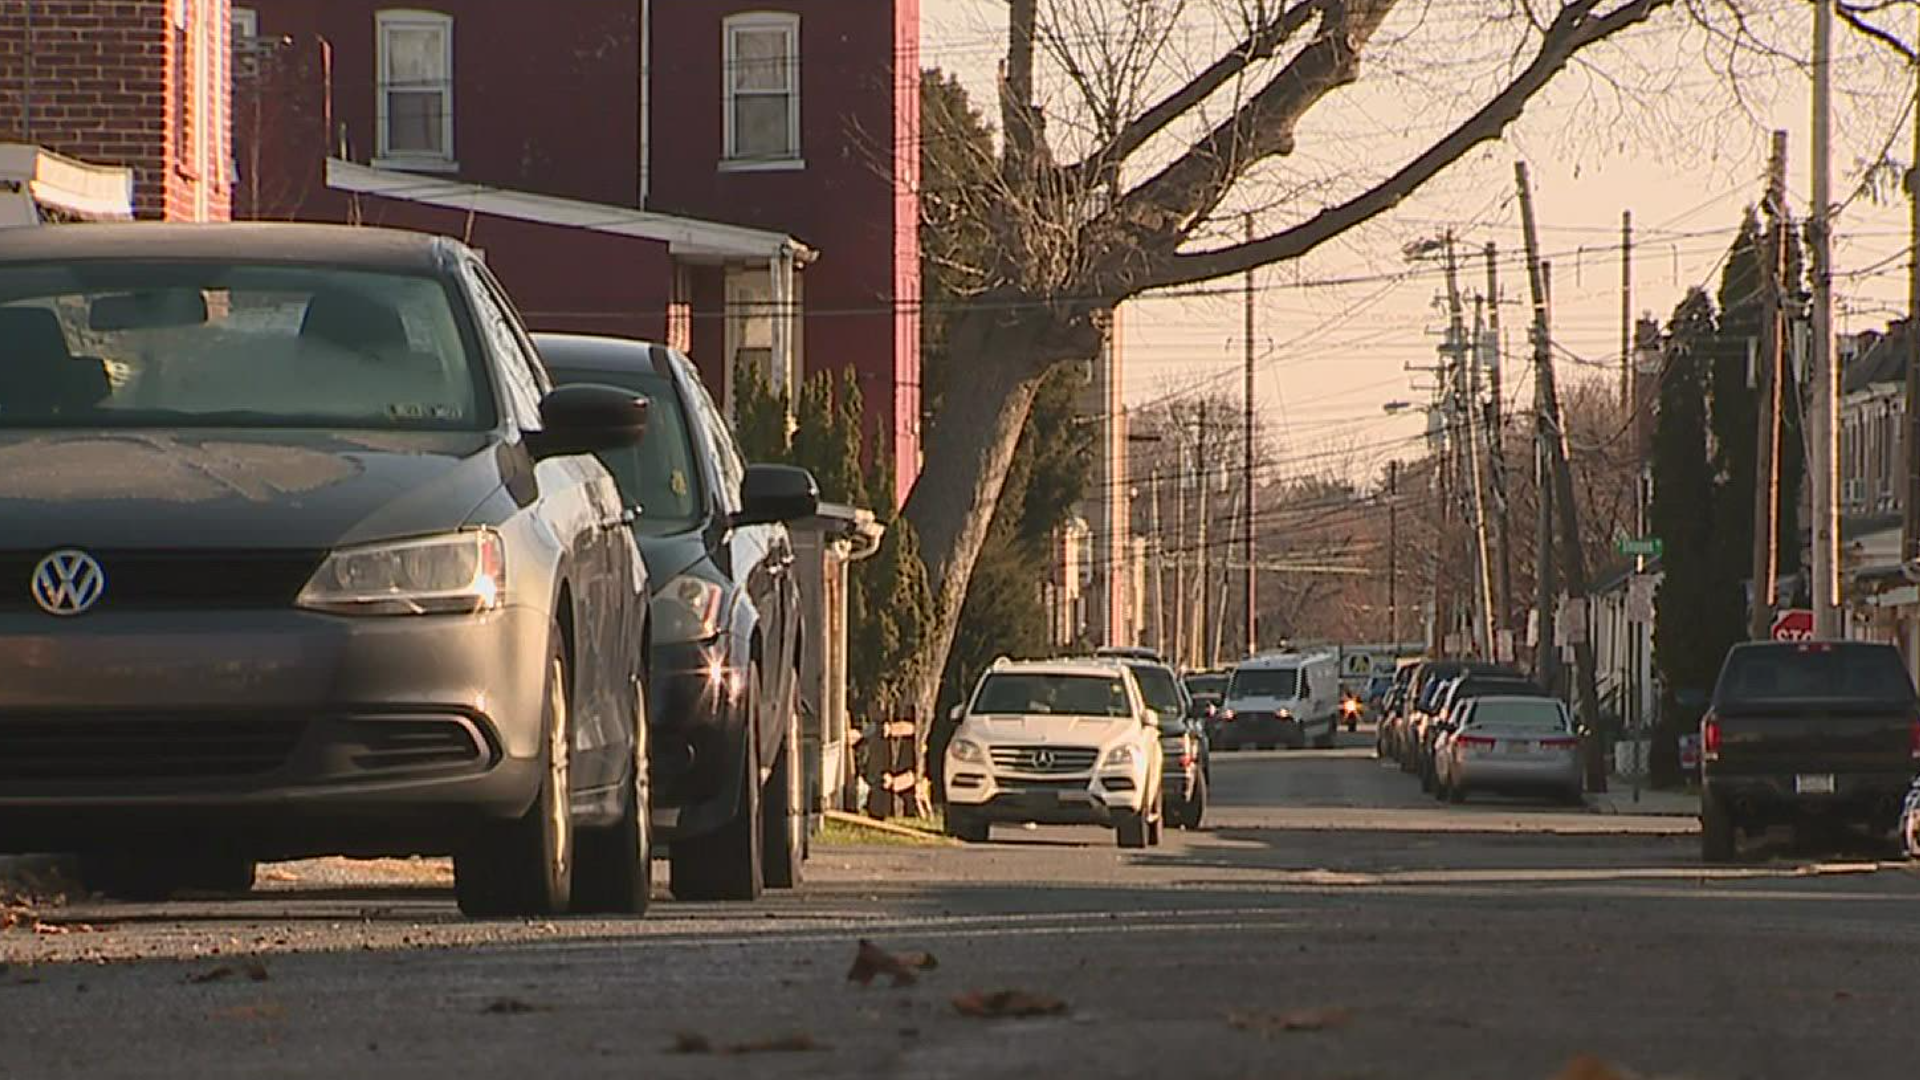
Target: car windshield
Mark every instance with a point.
(1206, 685)
(1518, 717)
(659, 476)
(1481, 687)
(1264, 683)
(212, 344)
(1019, 693)
(1816, 671)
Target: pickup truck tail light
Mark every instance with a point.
(1710, 738)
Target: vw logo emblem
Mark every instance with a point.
(1043, 759)
(68, 583)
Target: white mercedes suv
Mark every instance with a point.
(1058, 742)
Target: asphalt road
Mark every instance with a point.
(1328, 922)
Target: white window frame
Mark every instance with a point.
(390, 19)
(246, 23)
(789, 24)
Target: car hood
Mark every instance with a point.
(1051, 730)
(238, 489)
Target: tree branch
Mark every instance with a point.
(1259, 45)
(1575, 29)
(1855, 16)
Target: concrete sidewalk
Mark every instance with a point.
(1619, 799)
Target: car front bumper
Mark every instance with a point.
(1088, 798)
(1873, 798)
(1483, 771)
(292, 731)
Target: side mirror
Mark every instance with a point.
(776, 493)
(587, 418)
(954, 714)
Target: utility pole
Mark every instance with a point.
(1567, 509)
(1496, 445)
(1204, 472)
(1180, 606)
(1246, 473)
(1910, 524)
(1393, 553)
(1216, 646)
(1825, 418)
(1628, 401)
(1159, 561)
(1467, 386)
(1771, 370)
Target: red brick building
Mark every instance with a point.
(144, 84)
(736, 178)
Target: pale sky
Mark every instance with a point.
(1683, 159)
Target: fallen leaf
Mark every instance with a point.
(1325, 1019)
(211, 975)
(689, 1042)
(507, 1006)
(871, 961)
(1588, 1067)
(798, 1043)
(266, 1010)
(1007, 1004)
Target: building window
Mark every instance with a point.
(416, 88)
(246, 24)
(762, 84)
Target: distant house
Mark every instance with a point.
(737, 179)
(136, 84)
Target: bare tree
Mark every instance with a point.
(1161, 168)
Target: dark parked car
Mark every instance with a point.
(1206, 689)
(727, 772)
(1183, 738)
(1821, 735)
(303, 554)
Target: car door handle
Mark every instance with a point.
(630, 515)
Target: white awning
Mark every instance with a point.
(686, 238)
(41, 179)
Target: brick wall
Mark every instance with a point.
(140, 83)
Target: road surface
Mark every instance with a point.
(1328, 922)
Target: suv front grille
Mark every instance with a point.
(1044, 760)
(136, 747)
(175, 580)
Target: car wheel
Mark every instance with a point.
(1717, 835)
(1331, 739)
(1130, 828)
(783, 817)
(968, 827)
(1156, 825)
(1575, 795)
(217, 873)
(525, 866)
(1426, 778)
(1197, 803)
(614, 868)
(145, 877)
(729, 864)
(1456, 792)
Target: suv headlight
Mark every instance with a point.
(458, 573)
(967, 750)
(687, 609)
(1118, 757)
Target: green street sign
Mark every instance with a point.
(1649, 546)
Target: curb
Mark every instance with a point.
(859, 821)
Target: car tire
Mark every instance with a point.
(728, 864)
(231, 875)
(613, 868)
(1574, 795)
(141, 877)
(783, 816)
(968, 827)
(1196, 804)
(1130, 828)
(1331, 739)
(525, 866)
(1456, 793)
(1426, 778)
(1718, 832)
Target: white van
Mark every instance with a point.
(1290, 699)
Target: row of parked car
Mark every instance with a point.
(1465, 726)
(311, 547)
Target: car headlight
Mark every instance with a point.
(967, 750)
(687, 609)
(1118, 756)
(458, 573)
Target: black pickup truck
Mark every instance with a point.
(1819, 735)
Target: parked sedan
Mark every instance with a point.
(1442, 719)
(304, 555)
(727, 773)
(1524, 744)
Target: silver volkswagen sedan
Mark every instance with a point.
(300, 554)
(1510, 744)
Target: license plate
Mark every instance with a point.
(1076, 798)
(1813, 784)
(1520, 747)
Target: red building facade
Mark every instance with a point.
(138, 83)
(736, 178)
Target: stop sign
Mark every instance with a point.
(1793, 624)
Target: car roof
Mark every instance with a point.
(1079, 665)
(593, 352)
(251, 242)
(1283, 660)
